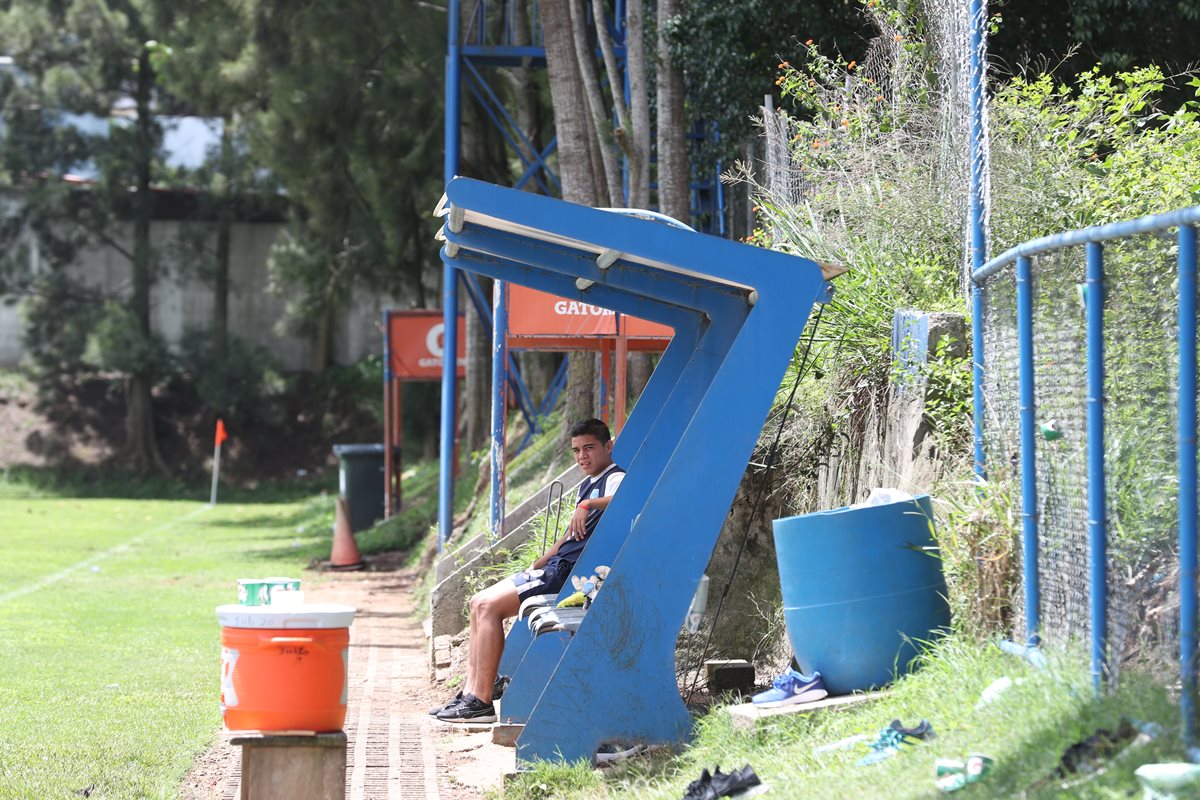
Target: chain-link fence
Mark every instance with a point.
(1141, 326)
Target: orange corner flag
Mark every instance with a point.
(221, 434)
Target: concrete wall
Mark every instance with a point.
(182, 301)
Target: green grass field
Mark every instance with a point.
(108, 639)
(109, 655)
(1025, 729)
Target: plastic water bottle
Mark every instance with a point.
(699, 604)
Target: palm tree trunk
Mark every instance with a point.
(637, 134)
(610, 168)
(574, 165)
(674, 195)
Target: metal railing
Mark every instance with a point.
(1092, 239)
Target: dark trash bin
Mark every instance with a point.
(360, 481)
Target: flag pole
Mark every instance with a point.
(216, 469)
(220, 436)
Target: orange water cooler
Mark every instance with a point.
(284, 668)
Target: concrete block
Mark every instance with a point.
(505, 734)
(441, 651)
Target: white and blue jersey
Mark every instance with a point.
(603, 485)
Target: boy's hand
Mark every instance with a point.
(577, 527)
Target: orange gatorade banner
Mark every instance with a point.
(535, 313)
(416, 340)
(638, 328)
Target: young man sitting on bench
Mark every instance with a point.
(591, 444)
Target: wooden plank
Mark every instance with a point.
(307, 771)
(287, 738)
(748, 716)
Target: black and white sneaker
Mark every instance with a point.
(470, 709)
(453, 701)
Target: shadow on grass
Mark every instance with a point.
(26, 481)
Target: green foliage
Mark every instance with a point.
(546, 780)
(340, 113)
(59, 320)
(117, 343)
(728, 48)
(977, 539)
(949, 396)
(1119, 34)
(1096, 152)
(243, 385)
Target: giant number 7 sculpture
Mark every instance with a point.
(738, 312)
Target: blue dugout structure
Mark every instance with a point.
(738, 312)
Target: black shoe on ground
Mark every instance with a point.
(471, 709)
(502, 682)
(922, 730)
(739, 783)
(735, 783)
(433, 712)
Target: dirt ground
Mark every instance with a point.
(396, 750)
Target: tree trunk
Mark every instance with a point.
(525, 91)
(609, 165)
(637, 135)
(574, 168)
(141, 444)
(581, 389)
(570, 108)
(322, 355)
(674, 195)
(637, 147)
(479, 375)
(220, 322)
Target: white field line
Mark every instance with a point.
(116, 550)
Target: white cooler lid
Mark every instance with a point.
(310, 615)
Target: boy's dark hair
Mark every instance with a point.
(591, 427)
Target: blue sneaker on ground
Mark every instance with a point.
(792, 688)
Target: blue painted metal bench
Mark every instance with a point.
(738, 312)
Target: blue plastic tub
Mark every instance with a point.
(859, 586)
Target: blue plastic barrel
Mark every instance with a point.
(859, 586)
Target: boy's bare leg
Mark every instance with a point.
(489, 609)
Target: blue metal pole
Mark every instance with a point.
(976, 209)
(1097, 513)
(499, 402)
(977, 375)
(449, 291)
(1187, 482)
(1029, 494)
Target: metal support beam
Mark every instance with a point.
(1029, 493)
(1097, 502)
(499, 404)
(449, 294)
(1188, 509)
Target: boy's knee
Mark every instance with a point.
(486, 605)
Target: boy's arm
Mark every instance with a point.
(576, 528)
(541, 562)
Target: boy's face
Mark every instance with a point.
(592, 456)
